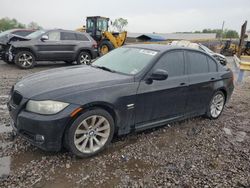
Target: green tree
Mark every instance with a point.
(34, 25)
(7, 23)
(230, 34)
(120, 23)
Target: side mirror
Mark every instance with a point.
(44, 37)
(159, 74)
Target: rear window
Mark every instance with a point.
(197, 63)
(82, 37)
(212, 65)
(68, 36)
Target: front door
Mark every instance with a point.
(49, 49)
(164, 99)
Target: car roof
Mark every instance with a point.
(71, 31)
(161, 47)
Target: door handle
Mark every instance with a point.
(212, 79)
(182, 84)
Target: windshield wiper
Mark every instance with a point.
(103, 68)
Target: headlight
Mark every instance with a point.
(45, 107)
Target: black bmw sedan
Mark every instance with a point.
(132, 88)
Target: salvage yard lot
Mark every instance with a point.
(193, 153)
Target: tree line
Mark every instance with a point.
(7, 23)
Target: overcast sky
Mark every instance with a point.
(162, 16)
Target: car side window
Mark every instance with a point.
(173, 63)
(68, 36)
(212, 65)
(82, 37)
(197, 63)
(54, 36)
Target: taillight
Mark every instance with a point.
(94, 45)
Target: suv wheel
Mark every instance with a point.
(216, 105)
(90, 133)
(25, 60)
(84, 58)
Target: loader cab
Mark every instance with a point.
(96, 25)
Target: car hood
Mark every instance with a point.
(63, 81)
(4, 40)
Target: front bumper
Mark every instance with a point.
(43, 131)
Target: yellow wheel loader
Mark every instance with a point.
(97, 27)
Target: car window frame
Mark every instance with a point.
(47, 33)
(216, 63)
(146, 73)
(188, 61)
(68, 33)
(173, 51)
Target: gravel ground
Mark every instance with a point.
(192, 153)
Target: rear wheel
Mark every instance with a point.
(84, 58)
(90, 133)
(24, 60)
(216, 105)
(105, 47)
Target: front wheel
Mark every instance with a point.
(216, 105)
(25, 60)
(90, 133)
(105, 47)
(84, 58)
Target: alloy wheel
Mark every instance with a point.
(25, 60)
(92, 134)
(217, 105)
(85, 59)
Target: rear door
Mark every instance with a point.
(166, 98)
(202, 76)
(69, 41)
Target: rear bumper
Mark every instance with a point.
(45, 132)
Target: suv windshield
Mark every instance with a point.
(35, 34)
(126, 60)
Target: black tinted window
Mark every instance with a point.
(22, 33)
(212, 65)
(68, 36)
(82, 37)
(197, 63)
(173, 62)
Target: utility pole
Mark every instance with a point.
(222, 28)
(242, 37)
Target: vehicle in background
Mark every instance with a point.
(220, 58)
(53, 45)
(131, 88)
(6, 37)
(98, 28)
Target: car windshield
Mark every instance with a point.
(35, 34)
(125, 60)
(5, 32)
(206, 49)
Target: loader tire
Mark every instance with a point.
(105, 47)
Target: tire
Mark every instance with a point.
(105, 47)
(80, 143)
(25, 60)
(216, 105)
(84, 58)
